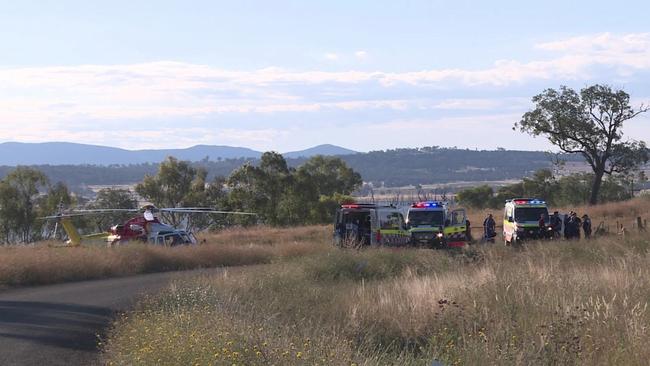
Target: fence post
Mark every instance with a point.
(639, 224)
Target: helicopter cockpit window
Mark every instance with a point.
(171, 240)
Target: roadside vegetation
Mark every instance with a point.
(568, 303)
(279, 196)
(41, 264)
(561, 302)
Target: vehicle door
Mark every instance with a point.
(456, 231)
(403, 236)
(508, 223)
(392, 230)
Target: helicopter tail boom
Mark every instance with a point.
(73, 234)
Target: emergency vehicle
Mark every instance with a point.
(521, 220)
(433, 225)
(363, 224)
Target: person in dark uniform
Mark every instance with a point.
(556, 224)
(489, 228)
(567, 226)
(468, 231)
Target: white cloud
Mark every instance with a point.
(361, 55)
(55, 102)
(631, 50)
(332, 56)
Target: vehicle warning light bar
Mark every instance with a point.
(427, 204)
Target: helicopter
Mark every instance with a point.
(145, 227)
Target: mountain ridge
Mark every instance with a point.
(69, 153)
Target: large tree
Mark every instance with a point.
(19, 192)
(263, 189)
(588, 123)
(285, 196)
(330, 175)
(177, 184)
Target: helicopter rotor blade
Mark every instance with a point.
(204, 210)
(105, 210)
(60, 216)
(88, 212)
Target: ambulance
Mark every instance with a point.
(432, 224)
(521, 220)
(363, 224)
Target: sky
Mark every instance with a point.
(287, 75)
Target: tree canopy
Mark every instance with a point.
(177, 184)
(19, 192)
(282, 195)
(588, 123)
(574, 189)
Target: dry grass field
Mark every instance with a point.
(551, 303)
(42, 264)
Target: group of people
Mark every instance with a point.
(572, 225)
(571, 222)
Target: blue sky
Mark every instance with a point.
(286, 75)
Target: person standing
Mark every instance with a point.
(556, 224)
(586, 226)
(489, 228)
(577, 223)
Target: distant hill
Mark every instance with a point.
(66, 153)
(325, 149)
(430, 165)
(390, 168)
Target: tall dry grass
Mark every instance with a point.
(40, 264)
(564, 303)
(558, 303)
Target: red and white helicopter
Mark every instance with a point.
(146, 227)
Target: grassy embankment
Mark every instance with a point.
(40, 264)
(556, 303)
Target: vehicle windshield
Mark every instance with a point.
(433, 218)
(523, 214)
(358, 217)
(391, 220)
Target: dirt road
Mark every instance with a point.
(60, 324)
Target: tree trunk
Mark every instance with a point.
(595, 186)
